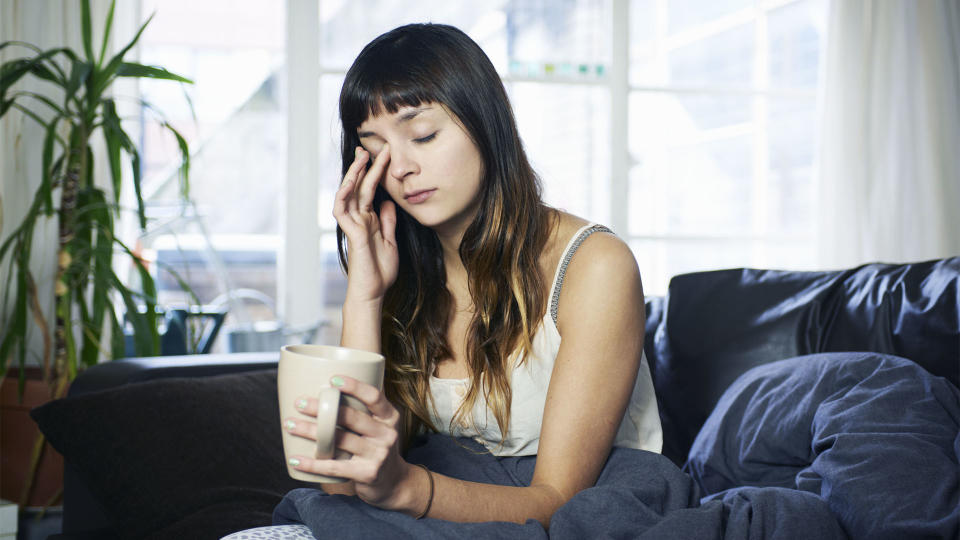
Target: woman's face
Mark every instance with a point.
(435, 169)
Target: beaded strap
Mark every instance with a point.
(555, 296)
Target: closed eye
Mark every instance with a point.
(426, 139)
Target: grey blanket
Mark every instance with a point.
(842, 445)
(638, 495)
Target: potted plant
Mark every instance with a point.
(86, 287)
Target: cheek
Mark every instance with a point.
(463, 162)
(393, 187)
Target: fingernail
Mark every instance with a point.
(293, 462)
(301, 403)
(290, 425)
(337, 381)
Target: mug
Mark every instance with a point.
(305, 371)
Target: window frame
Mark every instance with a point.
(303, 230)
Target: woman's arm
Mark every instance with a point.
(373, 259)
(601, 320)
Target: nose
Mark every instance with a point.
(402, 163)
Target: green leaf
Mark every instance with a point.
(129, 69)
(63, 311)
(112, 137)
(46, 185)
(149, 297)
(90, 335)
(44, 73)
(85, 22)
(32, 115)
(118, 341)
(131, 150)
(12, 335)
(144, 324)
(4, 105)
(102, 78)
(79, 71)
(102, 264)
(88, 179)
(184, 164)
(137, 188)
(106, 33)
(17, 326)
(46, 101)
(11, 71)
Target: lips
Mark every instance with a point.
(419, 196)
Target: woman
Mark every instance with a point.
(468, 285)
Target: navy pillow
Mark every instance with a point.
(875, 436)
(202, 455)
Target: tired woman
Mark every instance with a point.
(502, 320)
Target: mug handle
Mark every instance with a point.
(328, 407)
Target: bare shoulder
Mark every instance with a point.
(600, 253)
(602, 269)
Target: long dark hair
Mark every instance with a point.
(434, 63)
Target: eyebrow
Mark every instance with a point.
(405, 117)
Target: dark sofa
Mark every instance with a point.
(189, 447)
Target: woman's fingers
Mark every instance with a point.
(343, 439)
(361, 423)
(307, 405)
(367, 187)
(346, 194)
(369, 395)
(348, 417)
(301, 428)
(359, 470)
(388, 222)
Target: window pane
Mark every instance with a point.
(724, 59)
(791, 126)
(660, 118)
(701, 189)
(345, 26)
(795, 33)
(566, 133)
(710, 187)
(334, 289)
(693, 163)
(330, 135)
(685, 14)
(565, 38)
(520, 36)
(234, 53)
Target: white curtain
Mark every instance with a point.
(45, 24)
(889, 154)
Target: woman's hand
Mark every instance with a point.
(381, 476)
(371, 239)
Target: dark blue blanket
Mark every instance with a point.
(876, 437)
(751, 475)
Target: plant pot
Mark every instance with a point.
(18, 435)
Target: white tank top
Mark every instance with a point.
(529, 381)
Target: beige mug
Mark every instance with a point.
(305, 371)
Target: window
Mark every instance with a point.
(713, 167)
(722, 111)
(685, 125)
(234, 52)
